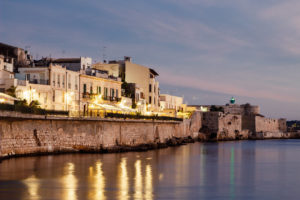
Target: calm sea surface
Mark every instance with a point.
(227, 170)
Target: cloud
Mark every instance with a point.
(225, 87)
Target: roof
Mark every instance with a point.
(153, 72)
(67, 60)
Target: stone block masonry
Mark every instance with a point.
(28, 134)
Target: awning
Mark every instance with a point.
(7, 97)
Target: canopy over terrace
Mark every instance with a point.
(108, 107)
(4, 98)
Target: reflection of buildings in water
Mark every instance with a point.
(138, 184)
(161, 177)
(182, 164)
(148, 183)
(202, 165)
(96, 182)
(123, 180)
(33, 186)
(232, 178)
(69, 182)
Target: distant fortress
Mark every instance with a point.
(234, 121)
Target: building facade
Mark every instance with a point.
(57, 87)
(96, 91)
(144, 77)
(170, 102)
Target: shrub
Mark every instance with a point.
(139, 116)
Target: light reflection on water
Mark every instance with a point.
(96, 182)
(138, 185)
(69, 182)
(231, 170)
(123, 180)
(33, 185)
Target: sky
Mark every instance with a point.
(204, 50)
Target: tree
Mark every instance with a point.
(126, 88)
(214, 108)
(11, 91)
(34, 104)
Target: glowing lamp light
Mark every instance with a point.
(2, 100)
(26, 94)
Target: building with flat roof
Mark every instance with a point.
(144, 77)
(75, 64)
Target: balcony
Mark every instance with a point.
(88, 95)
(39, 81)
(109, 98)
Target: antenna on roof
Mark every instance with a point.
(103, 53)
(63, 53)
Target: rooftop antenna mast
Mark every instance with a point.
(63, 53)
(104, 53)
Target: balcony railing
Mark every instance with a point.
(109, 98)
(106, 98)
(39, 81)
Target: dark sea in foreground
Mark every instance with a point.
(226, 170)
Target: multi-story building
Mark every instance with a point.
(97, 93)
(19, 56)
(6, 73)
(111, 68)
(57, 87)
(168, 102)
(75, 64)
(144, 76)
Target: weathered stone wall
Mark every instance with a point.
(34, 134)
(210, 122)
(248, 122)
(217, 125)
(267, 125)
(230, 126)
(282, 125)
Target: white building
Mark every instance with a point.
(168, 102)
(56, 87)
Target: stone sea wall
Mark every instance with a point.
(27, 134)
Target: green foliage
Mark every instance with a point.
(23, 107)
(11, 91)
(126, 87)
(133, 105)
(139, 116)
(34, 104)
(214, 108)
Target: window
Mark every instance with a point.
(150, 88)
(99, 90)
(117, 93)
(69, 81)
(76, 83)
(63, 81)
(91, 89)
(58, 80)
(84, 88)
(53, 97)
(27, 76)
(105, 92)
(112, 92)
(154, 89)
(150, 100)
(53, 78)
